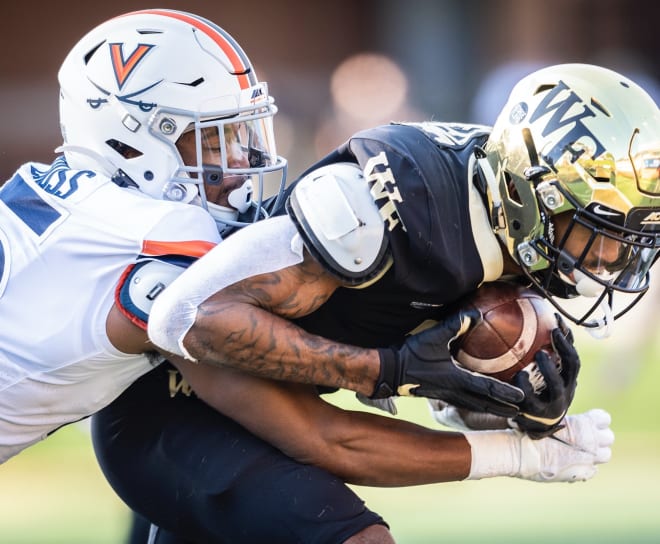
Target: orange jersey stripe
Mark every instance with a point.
(189, 248)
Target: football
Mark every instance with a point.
(517, 323)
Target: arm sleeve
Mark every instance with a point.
(265, 246)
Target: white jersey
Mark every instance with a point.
(66, 238)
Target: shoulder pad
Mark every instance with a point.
(340, 223)
(141, 284)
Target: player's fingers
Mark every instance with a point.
(461, 322)
(603, 455)
(601, 418)
(531, 403)
(549, 370)
(483, 404)
(564, 328)
(568, 355)
(479, 385)
(580, 473)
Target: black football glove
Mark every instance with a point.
(541, 413)
(424, 367)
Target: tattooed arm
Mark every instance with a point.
(232, 307)
(247, 324)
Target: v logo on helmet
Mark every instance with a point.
(124, 67)
(558, 102)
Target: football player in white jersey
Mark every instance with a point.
(87, 242)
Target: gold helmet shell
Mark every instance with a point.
(581, 139)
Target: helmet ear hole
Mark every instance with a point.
(123, 149)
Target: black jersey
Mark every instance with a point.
(435, 258)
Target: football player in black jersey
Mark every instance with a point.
(380, 237)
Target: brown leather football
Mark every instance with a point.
(517, 322)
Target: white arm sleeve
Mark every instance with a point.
(265, 246)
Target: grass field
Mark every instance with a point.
(54, 493)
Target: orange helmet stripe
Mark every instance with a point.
(236, 56)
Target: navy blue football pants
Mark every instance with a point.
(203, 478)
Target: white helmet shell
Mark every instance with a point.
(134, 84)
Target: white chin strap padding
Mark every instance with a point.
(222, 213)
(603, 327)
(586, 286)
(590, 288)
(241, 197)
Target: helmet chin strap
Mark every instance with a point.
(497, 217)
(239, 201)
(588, 288)
(603, 327)
(241, 197)
(222, 213)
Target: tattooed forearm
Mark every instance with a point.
(247, 326)
(267, 345)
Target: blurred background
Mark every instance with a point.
(334, 68)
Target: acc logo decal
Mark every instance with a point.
(124, 67)
(651, 218)
(644, 219)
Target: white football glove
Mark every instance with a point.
(569, 455)
(465, 420)
(572, 453)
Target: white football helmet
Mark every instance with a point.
(134, 85)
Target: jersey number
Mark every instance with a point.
(28, 206)
(31, 209)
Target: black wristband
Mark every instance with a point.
(388, 379)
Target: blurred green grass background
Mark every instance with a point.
(54, 493)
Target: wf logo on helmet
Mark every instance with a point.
(557, 103)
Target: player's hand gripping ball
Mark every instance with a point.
(517, 323)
